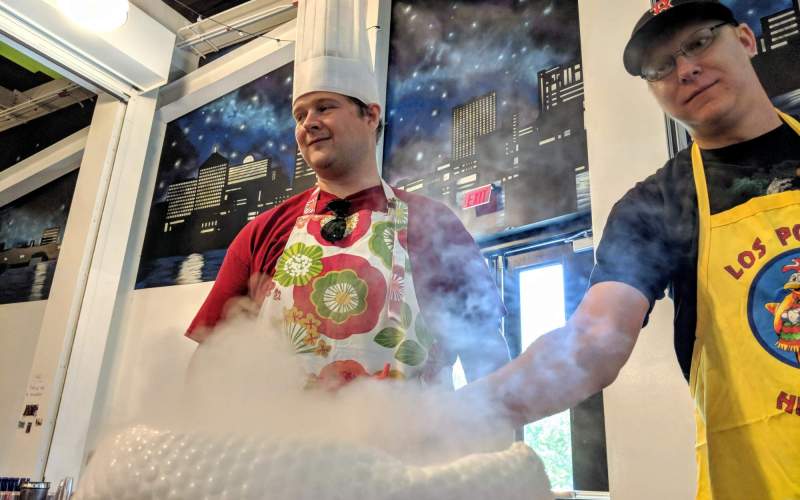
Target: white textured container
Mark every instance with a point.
(147, 463)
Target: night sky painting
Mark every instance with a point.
(778, 60)
(448, 54)
(30, 239)
(751, 11)
(221, 165)
(255, 119)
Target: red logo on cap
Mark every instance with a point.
(660, 6)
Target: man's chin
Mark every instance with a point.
(320, 163)
(707, 116)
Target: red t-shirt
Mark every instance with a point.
(455, 291)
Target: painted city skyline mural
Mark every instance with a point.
(221, 165)
(30, 240)
(775, 23)
(485, 110)
(751, 11)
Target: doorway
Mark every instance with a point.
(542, 284)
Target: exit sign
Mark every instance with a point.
(477, 197)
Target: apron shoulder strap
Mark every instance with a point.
(311, 204)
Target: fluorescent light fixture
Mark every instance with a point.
(96, 15)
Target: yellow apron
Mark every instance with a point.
(745, 375)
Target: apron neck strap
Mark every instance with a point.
(698, 169)
(311, 204)
(789, 121)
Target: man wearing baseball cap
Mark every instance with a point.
(718, 226)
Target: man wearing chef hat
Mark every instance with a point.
(362, 279)
(718, 227)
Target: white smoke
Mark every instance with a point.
(245, 390)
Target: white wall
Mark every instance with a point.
(19, 334)
(149, 351)
(648, 410)
(146, 348)
(62, 308)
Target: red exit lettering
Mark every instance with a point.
(477, 197)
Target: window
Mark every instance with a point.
(542, 295)
(543, 283)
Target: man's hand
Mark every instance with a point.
(242, 306)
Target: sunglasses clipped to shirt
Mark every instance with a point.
(691, 47)
(334, 230)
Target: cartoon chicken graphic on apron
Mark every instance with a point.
(787, 312)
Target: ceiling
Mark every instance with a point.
(226, 23)
(205, 8)
(37, 107)
(30, 91)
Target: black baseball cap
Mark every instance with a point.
(663, 14)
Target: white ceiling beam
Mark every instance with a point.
(42, 168)
(183, 61)
(40, 101)
(226, 74)
(254, 17)
(163, 13)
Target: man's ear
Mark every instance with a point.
(374, 113)
(747, 38)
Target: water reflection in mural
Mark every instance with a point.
(30, 240)
(221, 165)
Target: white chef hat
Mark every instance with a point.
(332, 52)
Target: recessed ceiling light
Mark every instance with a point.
(96, 15)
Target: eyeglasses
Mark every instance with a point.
(694, 45)
(334, 230)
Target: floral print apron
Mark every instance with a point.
(348, 308)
